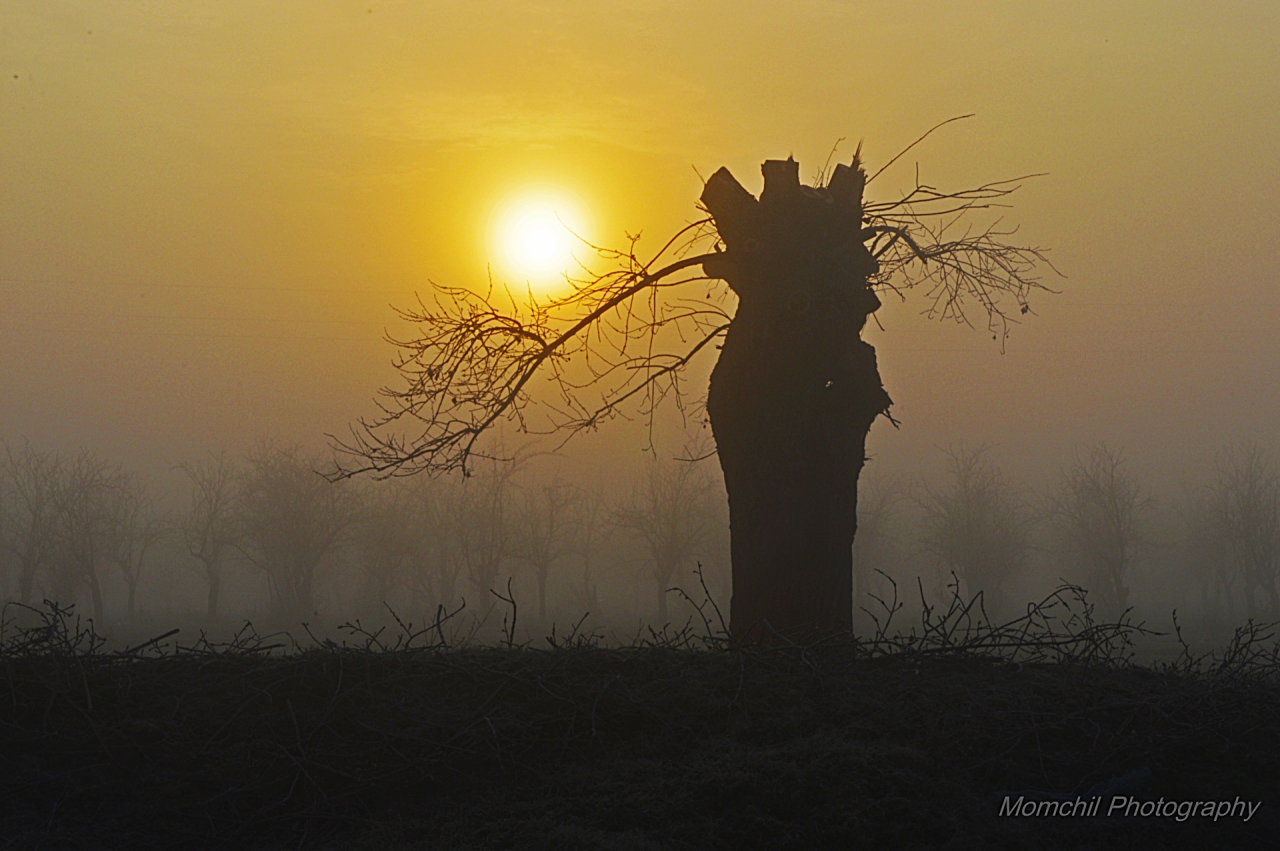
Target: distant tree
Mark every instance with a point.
(31, 512)
(291, 519)
(543, 531)
(977, 523)
(434, 574)
(1212, 562)
(782, 286)
(590, 528)
(6, 555)
(1245, 510)
(135, 527)
(1099, 512)
(86, 501)
(388, 535)
(670, 510)
(210, 529)
(480, 525)
(880, 500)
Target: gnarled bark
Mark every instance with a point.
(794, 393)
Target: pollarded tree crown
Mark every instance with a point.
(795, 237)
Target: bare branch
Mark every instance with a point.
(926, 135)
(913, 241)
(620, 341)
(473, 361)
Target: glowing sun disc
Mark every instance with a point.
(536, 238)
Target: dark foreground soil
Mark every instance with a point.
(646, 747)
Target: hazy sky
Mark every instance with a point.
(206, 208)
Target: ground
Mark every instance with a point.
(673, 743)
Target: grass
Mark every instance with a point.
(401, 739)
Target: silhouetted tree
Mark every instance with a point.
(793, 392)
(977, 523)
(1099, 512)
(210, 529)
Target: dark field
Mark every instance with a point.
(676, 742)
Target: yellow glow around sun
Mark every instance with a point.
(536, 238)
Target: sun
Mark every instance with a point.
(537, 237)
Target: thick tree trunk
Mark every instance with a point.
(793, 394)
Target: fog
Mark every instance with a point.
(207, 217)
(264, 537)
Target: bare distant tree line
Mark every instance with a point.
(65, 522)
(1095, 525)
(69, 525)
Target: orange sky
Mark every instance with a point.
(206, 208)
